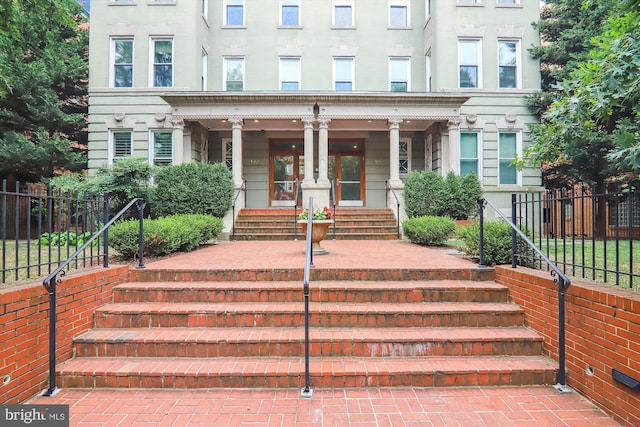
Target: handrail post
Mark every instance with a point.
(306, 391)
(141, 205)
(514, 239)
(562, 373)
(481, 203)
(52, 336)
(105, 219)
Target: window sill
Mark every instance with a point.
(289, 27)
(509, 6)
(161, 3)
(470, 5)
(234, 27)
(343, 27)
(122, 3)
(399, 28)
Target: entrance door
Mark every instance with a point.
(284, 169)
(347, 171)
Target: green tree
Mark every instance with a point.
(43, 86)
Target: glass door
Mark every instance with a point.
(285, 168)
(348, 175)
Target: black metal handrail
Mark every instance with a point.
(308, 263)
(242, 189)
(333, 207)
(386, 204)
(52, 280)
(295, 209)
(562, 280)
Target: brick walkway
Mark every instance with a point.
(496, 406)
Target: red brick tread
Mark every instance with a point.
(289, 372)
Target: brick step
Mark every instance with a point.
(329, 291)
(325, 372)
(289, 342)
(248, 236)
(146, 315)
(369, 275)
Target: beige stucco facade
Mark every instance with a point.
(357, 93)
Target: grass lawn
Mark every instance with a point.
(28, 256)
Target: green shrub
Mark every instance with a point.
(193, 188)
(429, 194)
(429, 230)
(64, 238)
(164, 235)
(497, 241)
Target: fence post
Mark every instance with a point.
(52, 336)
(105, 219)
(481, 204)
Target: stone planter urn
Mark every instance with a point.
(318, 234)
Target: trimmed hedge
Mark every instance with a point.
(162, 236)
(497, 242)
(193, 188)
(429, 230)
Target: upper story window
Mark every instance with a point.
(233, 12)
(234, 74)
(343, 74)
(508, 1)
(399, 80)
(469, 1)
(121, 59)
(162, 64)
(509, 147)
(289, 73)
(428, 70)
(343, 13)
(508, 64)
(469, 63)
(427, 9)
(204, 75)
(204, 7)
(290, 12)
(399, 13)
(120, 145)
(161, 148)
(469, 153)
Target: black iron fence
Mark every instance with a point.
(588, 233)
(40, 227)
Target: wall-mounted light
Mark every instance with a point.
(316, 110)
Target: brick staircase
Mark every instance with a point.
(351, 224)
(226, 328)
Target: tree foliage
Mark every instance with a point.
(43, 85)
(591, 132)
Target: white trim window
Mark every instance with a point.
(404, 156)
(399, 74)
(509, 64)
(290, 13)
(509, 149)
(120, 145)
(204, 72)
(508, 2)
(289, 76)
(227, 152)
(469, 1)
(343, 72)
(469, 63)
(204, 8)
(343, 13)
(162, 61)
(161, 148)
(429, 71)
(233, 74)
(121, 60)
(399, 14)
(470, 160)
(233, 13)
(427, 10)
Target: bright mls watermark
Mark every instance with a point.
(34, 415)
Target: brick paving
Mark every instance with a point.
(450, 406)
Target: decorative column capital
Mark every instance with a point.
(454, 123)
(394, 123)
(236, 122)
(177, 123)
(324, 123)
(308, 122)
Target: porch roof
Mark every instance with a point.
(352, 110)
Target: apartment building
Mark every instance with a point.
(354, 93)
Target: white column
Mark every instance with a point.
(454, 145)
(187, 153)
(308, 151)
(394, 152)
(236, 144)
(323, 152)
(178, 141)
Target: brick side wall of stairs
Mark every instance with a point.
(351, 224)
(451, 330)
